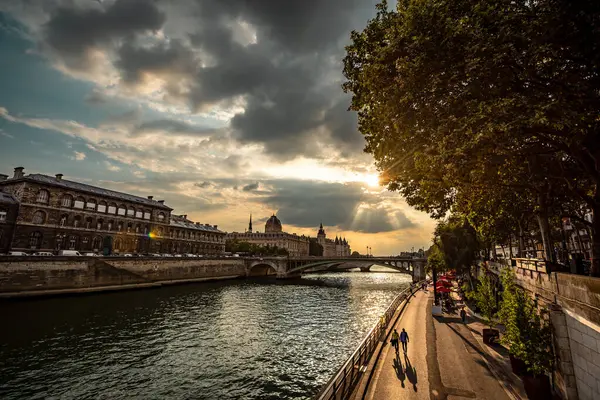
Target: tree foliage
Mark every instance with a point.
(485, 298)
(457, 242)
(235, 246)
(528, 334)
(459, 96)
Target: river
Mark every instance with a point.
(223, 340)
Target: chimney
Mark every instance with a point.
(215, 226)
(197, 223)
(59, 177)
(206, 225)
(150, 197)
(3, 177)
(161, 201)
(18, 173)
(184, 216)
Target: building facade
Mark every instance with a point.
(333, 248)
(57, 214)
(296, 245)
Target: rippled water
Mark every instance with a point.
(234, 339)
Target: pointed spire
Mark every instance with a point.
(250, 224)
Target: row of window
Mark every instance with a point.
(73, 242)
(67, 201)
(39, 217)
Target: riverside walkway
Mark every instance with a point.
(444, 360)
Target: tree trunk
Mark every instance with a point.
(521, 240)
(510, 247)
(542, 218)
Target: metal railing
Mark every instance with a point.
(342, 383)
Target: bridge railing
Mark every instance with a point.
(342, 383)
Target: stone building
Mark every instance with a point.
(9, 210)
(274, 236)
(333, 248)
(56, 214)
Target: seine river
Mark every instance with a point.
(225, 340)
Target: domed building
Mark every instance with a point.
(274, 236)
(273, 225)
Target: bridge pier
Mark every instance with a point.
(418, 270)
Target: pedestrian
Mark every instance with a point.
(463, 315)
(404, 339)
(395, 337)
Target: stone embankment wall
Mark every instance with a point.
(20, 276)
(574, 305)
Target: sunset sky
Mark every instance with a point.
(220, 107)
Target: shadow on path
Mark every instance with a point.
(411, 372)
(399, 370)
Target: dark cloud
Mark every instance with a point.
(288, 78)
(172, 126)
(73, 31)
(96, 98)
(250, 187)
(347, 206)
(203, 185)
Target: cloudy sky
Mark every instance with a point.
(221, 107)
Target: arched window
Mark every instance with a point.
(146, 229)
(161, 217)
(159, 232)
(88, 222)
(137, 228)
(39, 217)
(84, 242)
(43, 196)
(121, 210)
(91, 204)
(79, 202)
(112, 208)
(64, 219)
(96, 243)
(99, 224)
(129, 227)
(102, 207)
(35, 240)
(118, 244)
(119, 226)
(109, 226)
(131, 212)
(72, 242)
(66, 201)
(77, 221)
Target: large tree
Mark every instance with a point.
(454, 95)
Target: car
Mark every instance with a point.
(126, 255)
(17, 253)
(69, 253)
(166, 255)
(90, 254)
(42, 254)
(177, 255)
(189, 255)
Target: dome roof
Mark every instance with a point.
(273, 224)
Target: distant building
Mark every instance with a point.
(274, 236)
(55, 214)
(333, 248)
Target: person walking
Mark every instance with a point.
(463, 315)
(395, 338)
(404, 339)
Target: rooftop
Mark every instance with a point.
(82, 187)
(181, 221)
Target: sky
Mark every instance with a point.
(220, 107)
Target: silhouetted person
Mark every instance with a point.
(404, 339)
(395, 337)
(463, 315)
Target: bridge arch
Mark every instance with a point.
(262, 268)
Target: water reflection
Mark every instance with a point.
(233, 339)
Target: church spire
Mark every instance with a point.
(250, 224)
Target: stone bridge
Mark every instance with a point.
(289, 267)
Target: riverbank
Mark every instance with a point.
(68, 276)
